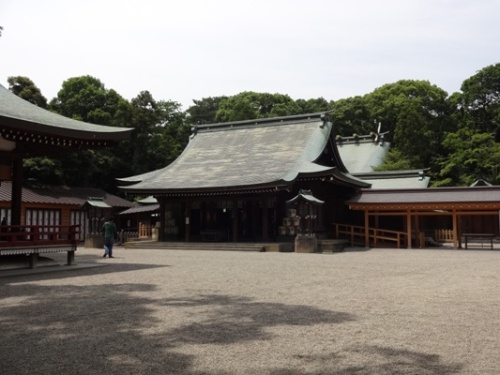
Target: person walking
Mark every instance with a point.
(109, 234)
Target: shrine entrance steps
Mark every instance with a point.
(324, 246)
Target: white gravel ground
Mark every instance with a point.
(219, 313)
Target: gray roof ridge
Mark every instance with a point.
(269, 121)
(392, 174)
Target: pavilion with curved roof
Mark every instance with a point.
(27, 130)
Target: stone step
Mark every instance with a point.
(213, 246)
(332, 246)
(324, 246)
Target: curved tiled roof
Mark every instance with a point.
(61, 195)
(20, 118)
(245, 154)
(362, 154)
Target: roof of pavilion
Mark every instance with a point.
(61, 195)
(362, 154)
(249, 155)
(23, 121)
(403, 179)
(442, 197)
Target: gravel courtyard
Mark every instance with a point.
(221, 313)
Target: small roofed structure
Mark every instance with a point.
(306, 207)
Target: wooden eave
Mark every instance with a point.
(35, 130)
(15, 129)
(484, 198)
(468, 206)
(236, 190)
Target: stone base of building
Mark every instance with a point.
(306, 243)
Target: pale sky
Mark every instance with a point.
(192, 49)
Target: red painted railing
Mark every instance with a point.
(38, 235)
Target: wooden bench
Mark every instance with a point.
(479, 236)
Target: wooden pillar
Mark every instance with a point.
(33, 260)
(408, 228)
(161, 235)
(455, 228)
(459, 230)
(367, 230)
(70, 257)
(265, 220)
(187, 220)
(17, 191)
(236, 214)
(254, 219)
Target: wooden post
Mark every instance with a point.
(33, 260)
(367, 230)
(187, 220)
(70, 257)
(17, 191)
(455, 229)
(235, 213)
(161, 234)
(265, 221)
(408, 228)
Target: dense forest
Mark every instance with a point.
(457, 136)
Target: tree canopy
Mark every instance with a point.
(456, 136)
(26, 89)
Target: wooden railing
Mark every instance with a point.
(356, 235)
(145, 230)
(443, 235)
(40, 235)
(142, 232)
(33, 240)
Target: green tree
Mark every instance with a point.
(251, 105)
(313, 105)
(472, 155)
(480, 100)
(26, 89)
(351, 115)
(204, 111)
(86, 98)
(473, 149)
(417, 116)
(160, 132)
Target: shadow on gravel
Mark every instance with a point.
(372, 359)
(115, 329)
(235, 319)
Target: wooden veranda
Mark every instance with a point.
(29, 131)
(33, 240)
(413, 209)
